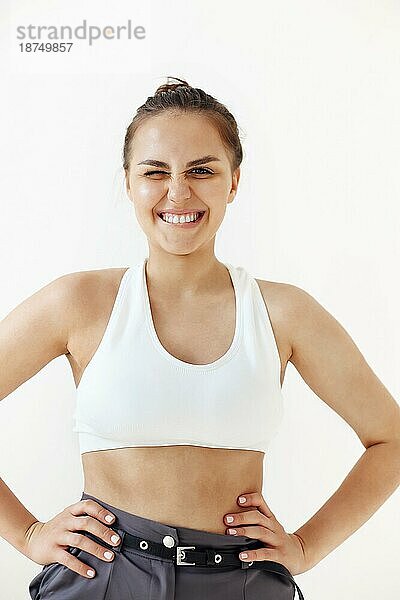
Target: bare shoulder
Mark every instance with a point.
(281, 300)
(87, 291)
(332, 365)
(89, 297)
(297, 319)
(288, 305)
(40, 327)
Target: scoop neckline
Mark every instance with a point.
(177, 361)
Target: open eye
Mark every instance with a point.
(205, 171)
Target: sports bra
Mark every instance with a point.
(133, 392)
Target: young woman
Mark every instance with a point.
(179, 362)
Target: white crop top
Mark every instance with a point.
(133, 392)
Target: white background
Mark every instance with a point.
(314, 86)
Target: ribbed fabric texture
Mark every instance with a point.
(134, 392)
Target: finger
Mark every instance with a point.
(256, 499)
(92, 508)
(73, 563)
(250, 517)
(259, 554)
(77, 540)
(88, 523)
(258, 533)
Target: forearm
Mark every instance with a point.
(15, 519)
(374, 477)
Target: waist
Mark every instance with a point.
(185, 486)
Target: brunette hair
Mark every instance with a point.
(183, 97)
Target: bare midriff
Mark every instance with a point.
(182, 486)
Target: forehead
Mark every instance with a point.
(177, 134)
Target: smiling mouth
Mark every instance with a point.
(176, 219)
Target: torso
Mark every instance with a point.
(185, 486)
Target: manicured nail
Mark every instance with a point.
(90, 572)
(114, 539)
(109, 518)
(229, 519)
(242, 499)
(232, 531)
(108, 554)
(243, 555)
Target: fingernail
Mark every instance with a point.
(232, 531)
(242, 499)
(90, 573)
(109, 518)
(243, 555)
(229, 519)
(114, 539)
(108, 554)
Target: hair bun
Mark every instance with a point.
(166, 87)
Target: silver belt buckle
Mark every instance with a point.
(180, 554)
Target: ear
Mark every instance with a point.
(235, 183)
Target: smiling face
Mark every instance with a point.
(179, 165)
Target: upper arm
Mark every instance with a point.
(331, 364)
(33, 333)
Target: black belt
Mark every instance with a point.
(200, 556)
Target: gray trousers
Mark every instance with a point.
(136, 575)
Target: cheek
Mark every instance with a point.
(145, 192)
(216, 186)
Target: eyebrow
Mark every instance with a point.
(191, 163)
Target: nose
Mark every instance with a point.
(178, 190)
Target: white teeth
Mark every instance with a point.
(188, 218)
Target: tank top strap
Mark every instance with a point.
(257, 317)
